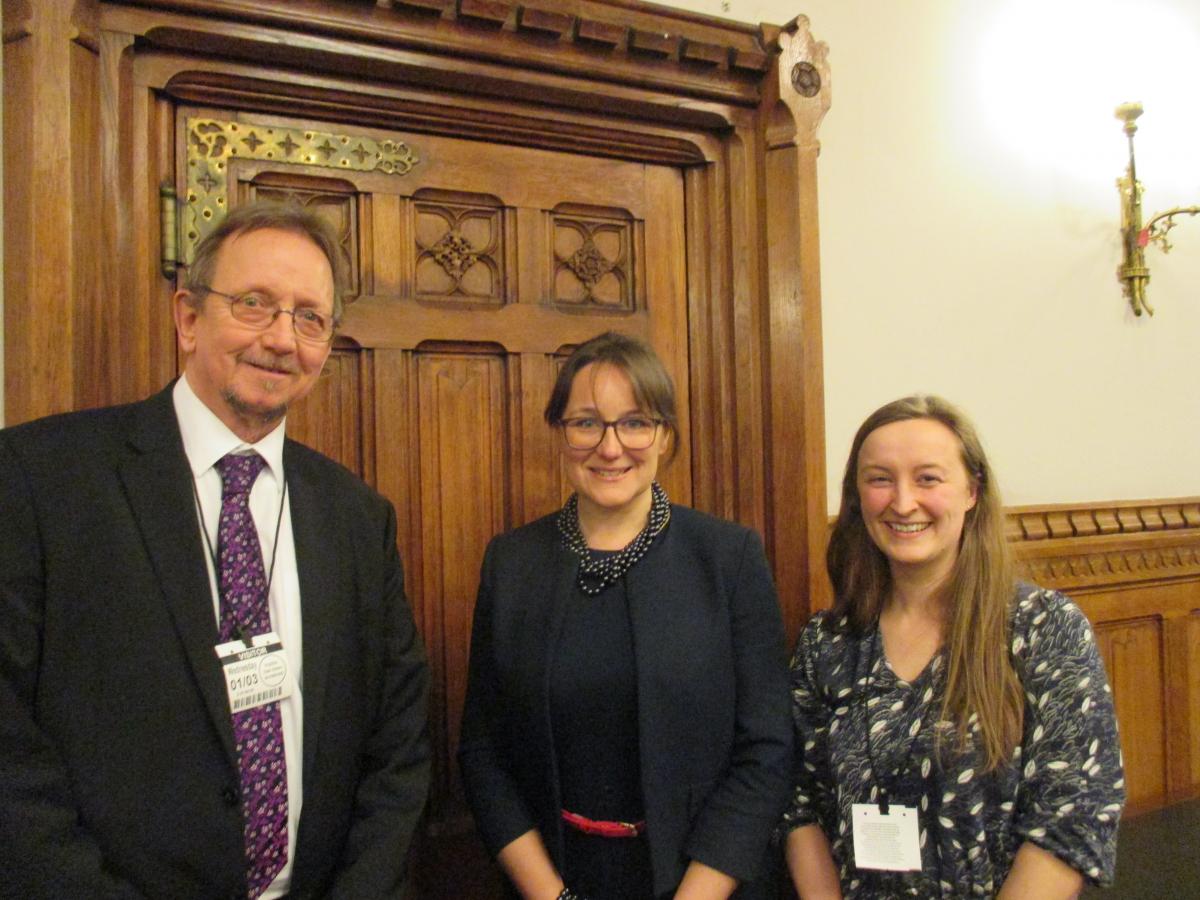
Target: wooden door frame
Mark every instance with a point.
(90, 87)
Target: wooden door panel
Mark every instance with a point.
(538, 486)
(461, 428)
(1192, 707)
(394, 404)
(330, 418)
(1132, 656)
(472, 276)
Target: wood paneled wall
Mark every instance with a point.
(682, 147)
(1134, 569)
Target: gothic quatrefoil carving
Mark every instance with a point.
(594, 257)
(455, 254)
(589, 264)
(461, 248)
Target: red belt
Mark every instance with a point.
(601, 828)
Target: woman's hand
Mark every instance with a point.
(1039, 875)
(810, 863)
(528, 866)
(701, 882)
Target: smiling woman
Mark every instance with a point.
(625, 732)
(940, 701)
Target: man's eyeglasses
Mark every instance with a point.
(586, 432)
(259, 311)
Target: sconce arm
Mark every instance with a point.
(1153, 231)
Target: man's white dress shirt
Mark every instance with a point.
(205, 440)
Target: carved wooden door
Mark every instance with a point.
(474, 268)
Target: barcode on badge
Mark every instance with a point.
(256, 699)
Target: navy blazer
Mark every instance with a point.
(714, 724)
(118, 775)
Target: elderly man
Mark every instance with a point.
(210, 680)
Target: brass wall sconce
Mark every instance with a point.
(1136, 235)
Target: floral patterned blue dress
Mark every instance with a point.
(1063, 790)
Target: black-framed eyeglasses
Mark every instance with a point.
(633, 432)
(260, 311)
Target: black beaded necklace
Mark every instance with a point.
(598, 570)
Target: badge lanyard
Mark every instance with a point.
(239, 630)
(884, 838)
(878, 776)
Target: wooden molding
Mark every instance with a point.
(1098, 567)
(397, 108)
(1099, 545)
(1069, 520)
(795, 413)
(620, 41)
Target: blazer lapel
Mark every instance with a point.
(554, 586)
(550, 589)
(654, 615)
(545, 592)
(157, 482)
(318, 566)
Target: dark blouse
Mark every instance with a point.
(593, 719)
(1063, 791)
(593, 708)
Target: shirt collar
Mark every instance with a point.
(206, 438)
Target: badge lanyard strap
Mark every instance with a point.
(238, 628)
(877, 774)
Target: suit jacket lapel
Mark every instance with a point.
(554, 587)
(319, 562)
(546, 590)
(157, 482)
(550, 590)
(652, 613)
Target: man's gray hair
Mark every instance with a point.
(269, 214)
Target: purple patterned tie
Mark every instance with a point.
(258, 732)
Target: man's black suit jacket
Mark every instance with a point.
(117, 769)
(715, 732)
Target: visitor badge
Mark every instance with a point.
(886, 840)
(256, 674)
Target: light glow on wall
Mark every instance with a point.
(1049, 73)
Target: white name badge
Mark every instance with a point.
(255, 675)
(888, 841)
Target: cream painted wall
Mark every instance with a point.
(975, 258)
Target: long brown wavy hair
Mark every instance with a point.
(982, 687)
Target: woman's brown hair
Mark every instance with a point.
(982, 690)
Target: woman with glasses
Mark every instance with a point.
(625, 735)
(955, 726)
